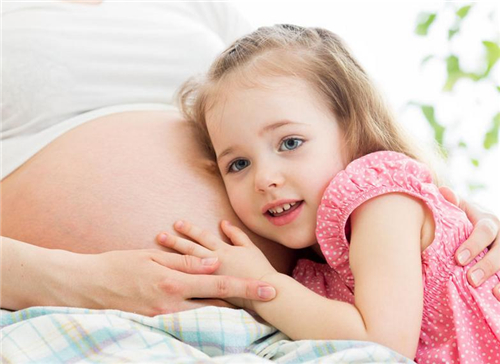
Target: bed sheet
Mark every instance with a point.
(205, 335)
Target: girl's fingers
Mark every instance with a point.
(235, 234)
(183, 246)
(204, 237)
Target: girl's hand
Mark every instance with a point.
(486, 233)
(242, 259)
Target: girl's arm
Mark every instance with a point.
(149, 282)
(385, 260)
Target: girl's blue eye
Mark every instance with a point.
(238, 165)
(290, 144)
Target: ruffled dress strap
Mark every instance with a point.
(372, 175)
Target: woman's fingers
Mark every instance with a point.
(449, 195)
(193, 304)
(186, 263)
(485, 233)
(204, 237)
(183, 246)
(205, 286)
(235, 234)
(496, 291)
(485, 268)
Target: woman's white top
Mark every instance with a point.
(68, 63)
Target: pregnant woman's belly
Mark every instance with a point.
(114, 183)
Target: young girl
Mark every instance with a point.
(311, 157)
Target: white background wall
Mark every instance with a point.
(381, 35)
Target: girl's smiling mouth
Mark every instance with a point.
(285, 213)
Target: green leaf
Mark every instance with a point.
(452, 32)
(476, 186)
(454, 72)
(491, 136)
(438, 129)
(474, 162)
(427, 59)
(492, 55)
(425, 20)
(463, 11)
(498, 88)
(474, 76)
(462, 144)
(453, 64)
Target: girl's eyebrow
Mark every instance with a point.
(224, 153)
(278, 124)
(266, 129)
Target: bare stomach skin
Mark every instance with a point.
(115, 182)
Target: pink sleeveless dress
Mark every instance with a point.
(460, 324)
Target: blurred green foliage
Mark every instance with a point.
(455, 74)
(424, 22)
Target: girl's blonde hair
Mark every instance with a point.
(321, 58)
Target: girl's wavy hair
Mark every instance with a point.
(321, 58)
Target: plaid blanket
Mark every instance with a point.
(206, 335)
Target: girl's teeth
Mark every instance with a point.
(285, 207)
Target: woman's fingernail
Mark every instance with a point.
(179, 224)
(162, 238)
(476, 276)
(463, 256)
(209, 261)
(266, 292)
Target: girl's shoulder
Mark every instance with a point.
(387, 163)
(375, 174)
(372, 175)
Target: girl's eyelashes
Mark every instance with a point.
(237, 165)
(290, 144)
(286, 145)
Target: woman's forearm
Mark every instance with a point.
(28, 275)
(145, 281)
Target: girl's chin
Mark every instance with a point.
(290, 240)
(297, 244)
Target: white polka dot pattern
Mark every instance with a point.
(460, 324)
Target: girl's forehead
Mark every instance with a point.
(239, 109)
(262, 92)
(236, 90)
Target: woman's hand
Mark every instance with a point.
(242, 259)
(148, 282)
(153, 282)
(486, 233)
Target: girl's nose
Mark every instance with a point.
(267, 180)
